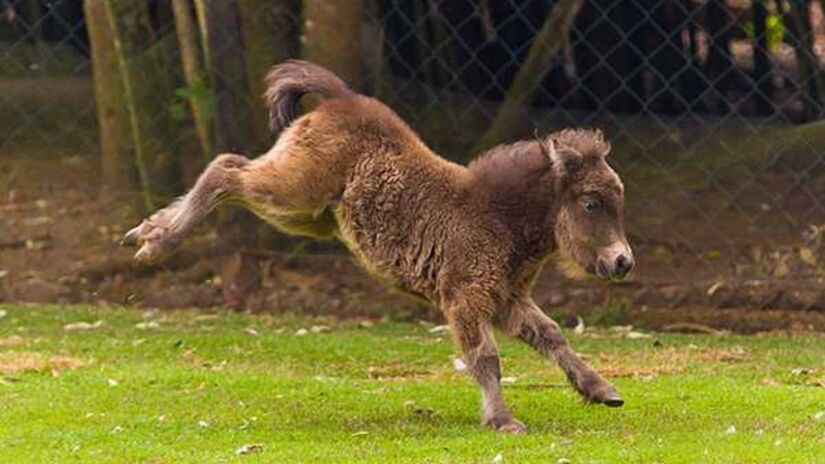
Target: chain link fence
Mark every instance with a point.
(714, 108)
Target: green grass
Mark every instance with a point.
(198, 386)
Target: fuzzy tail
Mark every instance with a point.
(289, 81)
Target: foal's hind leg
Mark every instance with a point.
(528, 322)
(164, 231)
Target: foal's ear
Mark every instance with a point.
(564, 159)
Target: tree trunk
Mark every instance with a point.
(195, 75)
(118, 167)
(332, 36)
(719, 66)
(547, 44)
(761, 59)
(669, 53)
(812, 86)
(270, 35)
(148, 88)
(33, 15)
(237, 228)
(694, 85)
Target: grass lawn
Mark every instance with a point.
(193, 386)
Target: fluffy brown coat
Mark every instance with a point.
(469, 239)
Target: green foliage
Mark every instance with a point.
(774, 30)
(190, 386)
(198, 95)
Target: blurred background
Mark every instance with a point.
(715, 109)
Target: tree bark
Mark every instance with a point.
(761, 59)
(332, 36)
(547, 44)
(117, 164)
(270, 35)
(811, 82)
(148, 89)
(195, 74)
(719, 65)
(237, 228)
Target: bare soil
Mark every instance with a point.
(59, 234)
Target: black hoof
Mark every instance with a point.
(613, 400)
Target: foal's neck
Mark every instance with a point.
(516, 184)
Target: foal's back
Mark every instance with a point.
(397, 201)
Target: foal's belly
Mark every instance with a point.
(390, 252)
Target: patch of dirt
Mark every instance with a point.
(16, 340)
(648, 364)
(59, 234)
(397, 371)
(16, 362)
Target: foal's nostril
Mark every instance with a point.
(623, 265)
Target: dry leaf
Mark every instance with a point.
(79, 326)
(147, 325)
(249, 449)
(807, 255)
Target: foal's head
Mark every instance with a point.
(589, 217)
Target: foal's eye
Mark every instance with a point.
(591, 205)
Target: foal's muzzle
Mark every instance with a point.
(615, 262)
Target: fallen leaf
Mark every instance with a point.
(80, 326)
(807, 255)
(440, 329)
(147, 325)
(249, 449)
(251, 331)
(579, 329)
(730, 430)
(112, 382)
(508, 380)
(301, 332)
(801, 371)
(203, 424)
(715, 287)
(14, 340)
(497, 459)
(319, 329)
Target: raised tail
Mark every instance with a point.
(290, 80)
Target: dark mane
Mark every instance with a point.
(510, 164)
(513, 164)
(585, 141)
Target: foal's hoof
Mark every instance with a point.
(155, 241)
(612, 399)
(506, 425)
(514, 426)
(608, 397)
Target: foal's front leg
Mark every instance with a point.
(164, 231)
(528, 322)
(473, 332)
